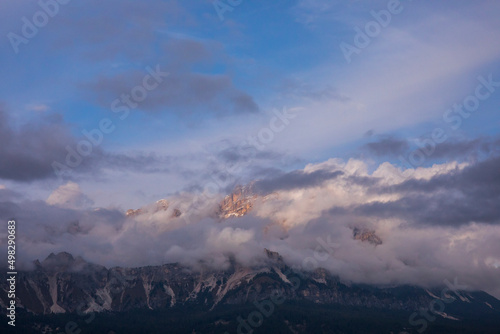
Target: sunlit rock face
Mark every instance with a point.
(237, 204)
(132, 212)
(158, 206)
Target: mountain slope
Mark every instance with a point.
(63, 284)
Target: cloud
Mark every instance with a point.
(28, 151)
(407, 76)
(39, 107)
(191, 87)
(475, 148)
(43, 228)
(436, 223)
(141, 162)
(69, 196)
(295, 180)
(180, 93)
(130, 31)
(452, 149)
(7, 194)
(387, 146)
(459, 197)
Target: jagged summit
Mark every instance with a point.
(62, 256)
(61, 260)
(161, 205)
(275, 256)
(132, 212)
(239, 203)
(363, 234)
(64, 262)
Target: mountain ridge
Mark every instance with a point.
(61, 282)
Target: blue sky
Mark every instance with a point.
(227, 76)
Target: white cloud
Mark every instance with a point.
(289, 222)
(69, 196)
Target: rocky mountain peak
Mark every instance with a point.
(62, 257)
(238, 203)
(162, 204)
(57, 262)
(175, 287)
(63, 262)
(132, 212)
(158, 206)
(275, 256)
(363, 234)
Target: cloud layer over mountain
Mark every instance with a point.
(436, 223)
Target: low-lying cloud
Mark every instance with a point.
(436, 223)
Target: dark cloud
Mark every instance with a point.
(229, 165)
(474, 148)
(183, 94)
(365, 181)
(444, 209)
(139, 162)
(452, 148)
(184, 53)
(242, 154)
(188, 89)
(432, 216)
(115, 41)
(478, 179)
(294, 180)
(387, 146)
(369, 133)
(27, 151)
(455, 198)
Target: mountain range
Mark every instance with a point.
(270, 297)
(62, 285)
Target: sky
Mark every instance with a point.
(381, 114)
